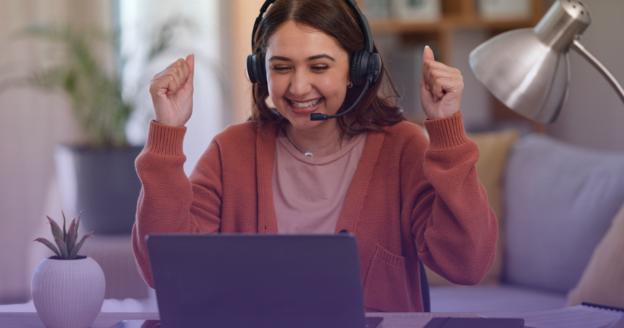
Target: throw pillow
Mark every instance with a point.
(560, 200)
(602, 281)
(494, 149)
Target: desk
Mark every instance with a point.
(107, 319)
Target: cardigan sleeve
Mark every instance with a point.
(454, 228)
(169, 201)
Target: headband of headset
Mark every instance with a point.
(365, 65)
(368, 46)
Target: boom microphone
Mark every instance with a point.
(324, 117)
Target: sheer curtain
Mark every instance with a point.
(139, 20)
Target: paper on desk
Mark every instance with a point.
(570, 317)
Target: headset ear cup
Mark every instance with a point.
(374, 66)
(250, 69)
(255, 71)
(262, 71)
(355, 67)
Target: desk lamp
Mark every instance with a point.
(528, 69)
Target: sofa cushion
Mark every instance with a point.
(560, 200)
(494, 148)
(502, 298)
(603, 279)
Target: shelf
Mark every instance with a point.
(447, 24)
(457, 16)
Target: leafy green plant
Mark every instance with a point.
(65, 239)
(95, 95)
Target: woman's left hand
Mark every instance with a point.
(440, 88)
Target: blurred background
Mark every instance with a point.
(53, 52)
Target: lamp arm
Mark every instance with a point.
(576, 45)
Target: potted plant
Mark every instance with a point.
(97, 175)
(101, 166)
(67, 288)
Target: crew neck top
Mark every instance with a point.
(309, 192)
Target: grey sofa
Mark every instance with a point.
(559, 203)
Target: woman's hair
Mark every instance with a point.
(337, 19)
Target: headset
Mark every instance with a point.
(364, 69)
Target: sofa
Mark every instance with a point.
(555, 203)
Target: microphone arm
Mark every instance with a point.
(324, 117)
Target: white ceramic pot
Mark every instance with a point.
(68, 293)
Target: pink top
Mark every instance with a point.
(309, 192)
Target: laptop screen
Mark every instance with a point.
(253, 280)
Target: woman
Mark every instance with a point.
(370, 172)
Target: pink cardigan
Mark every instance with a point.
(409, 199)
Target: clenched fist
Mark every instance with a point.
(440, 88)
(172, 92)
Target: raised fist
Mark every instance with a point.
(441, 88)
(172, 92)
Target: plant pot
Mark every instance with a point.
(102, 183)
(68, 293)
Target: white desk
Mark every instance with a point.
(576, 316)
(107, 319)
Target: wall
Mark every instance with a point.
(593, 115)
(476, 100)
(243, 14)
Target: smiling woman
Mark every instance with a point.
(368, 172)
(307, 46)
(302, 82)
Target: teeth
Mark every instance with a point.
(305, 104)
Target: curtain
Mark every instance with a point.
(201, 35)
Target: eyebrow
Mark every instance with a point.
(309, 58)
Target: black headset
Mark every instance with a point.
(365, 67)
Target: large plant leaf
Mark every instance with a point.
(49, 244)
(95, 94)
(74, 251)
(165, 34)
(56, 230)
(62, 248)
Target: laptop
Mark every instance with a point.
(253, 280)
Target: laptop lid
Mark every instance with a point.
(253, 280)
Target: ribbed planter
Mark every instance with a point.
(68, 293)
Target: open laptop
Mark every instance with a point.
(253, 280)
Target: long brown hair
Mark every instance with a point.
(337, 19)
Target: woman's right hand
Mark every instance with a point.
(172, 92)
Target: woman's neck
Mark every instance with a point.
(322, 139)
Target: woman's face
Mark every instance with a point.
(307, 72)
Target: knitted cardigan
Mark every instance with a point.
(409, 199)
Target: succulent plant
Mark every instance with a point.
(65, 239)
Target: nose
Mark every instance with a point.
(300, 83)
